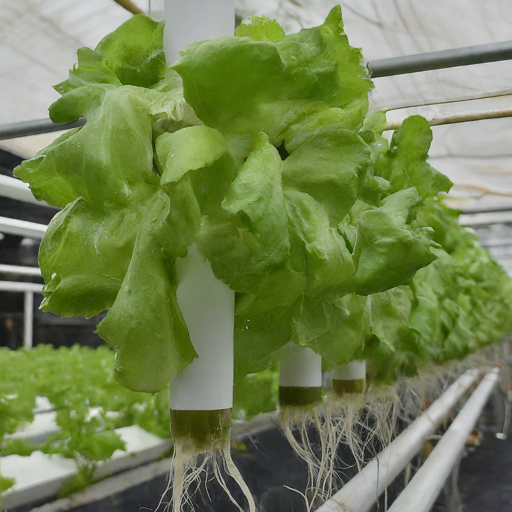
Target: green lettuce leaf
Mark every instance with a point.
(405, 164)
(256, 83)
(387, 251)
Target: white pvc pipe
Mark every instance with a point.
(22, 271)
(424, 488)
(301, 369)
(28, 320)
(360, 493)
(17, 189)
(208, 306)
(355, 370)
(22, 228)
(188, 21)
(14, 286)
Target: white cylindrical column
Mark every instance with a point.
(354, 370)
(208, 306)
(187, 21)
(206, 303)
(349, 378)
(300, 379)
(301, 369)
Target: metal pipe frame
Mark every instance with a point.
(466, 56)
(360, 493)
(424, 488)
(28, 312)
(36, 127)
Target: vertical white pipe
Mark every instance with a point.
(302, 369)
(187, 21)
(28, 319)
(207, 304)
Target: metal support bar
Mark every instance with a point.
(424, 488)
(22, 228)
(28, 319)
(465, 117)
(22, 271)
(466, 56)
(360, 493)
(14, 130)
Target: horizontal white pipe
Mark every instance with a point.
(22, 228)
(22, 271)
(424, 488)
(14, 286)
(301, 369)
(17, 189)
(360, 493)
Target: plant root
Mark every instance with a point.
(191, 469)
(298, 425)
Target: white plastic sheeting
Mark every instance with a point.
(39, 39)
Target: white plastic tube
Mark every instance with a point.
(360, 493)
(208, 306)
(302, 369)
(22, 228)
(424, 488)
(17, 189)
(23, 271)
(187, 21)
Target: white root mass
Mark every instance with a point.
(190, 468)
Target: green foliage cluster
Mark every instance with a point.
(250, 146)
(76, 381)
(458, 304)
(79, 380)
